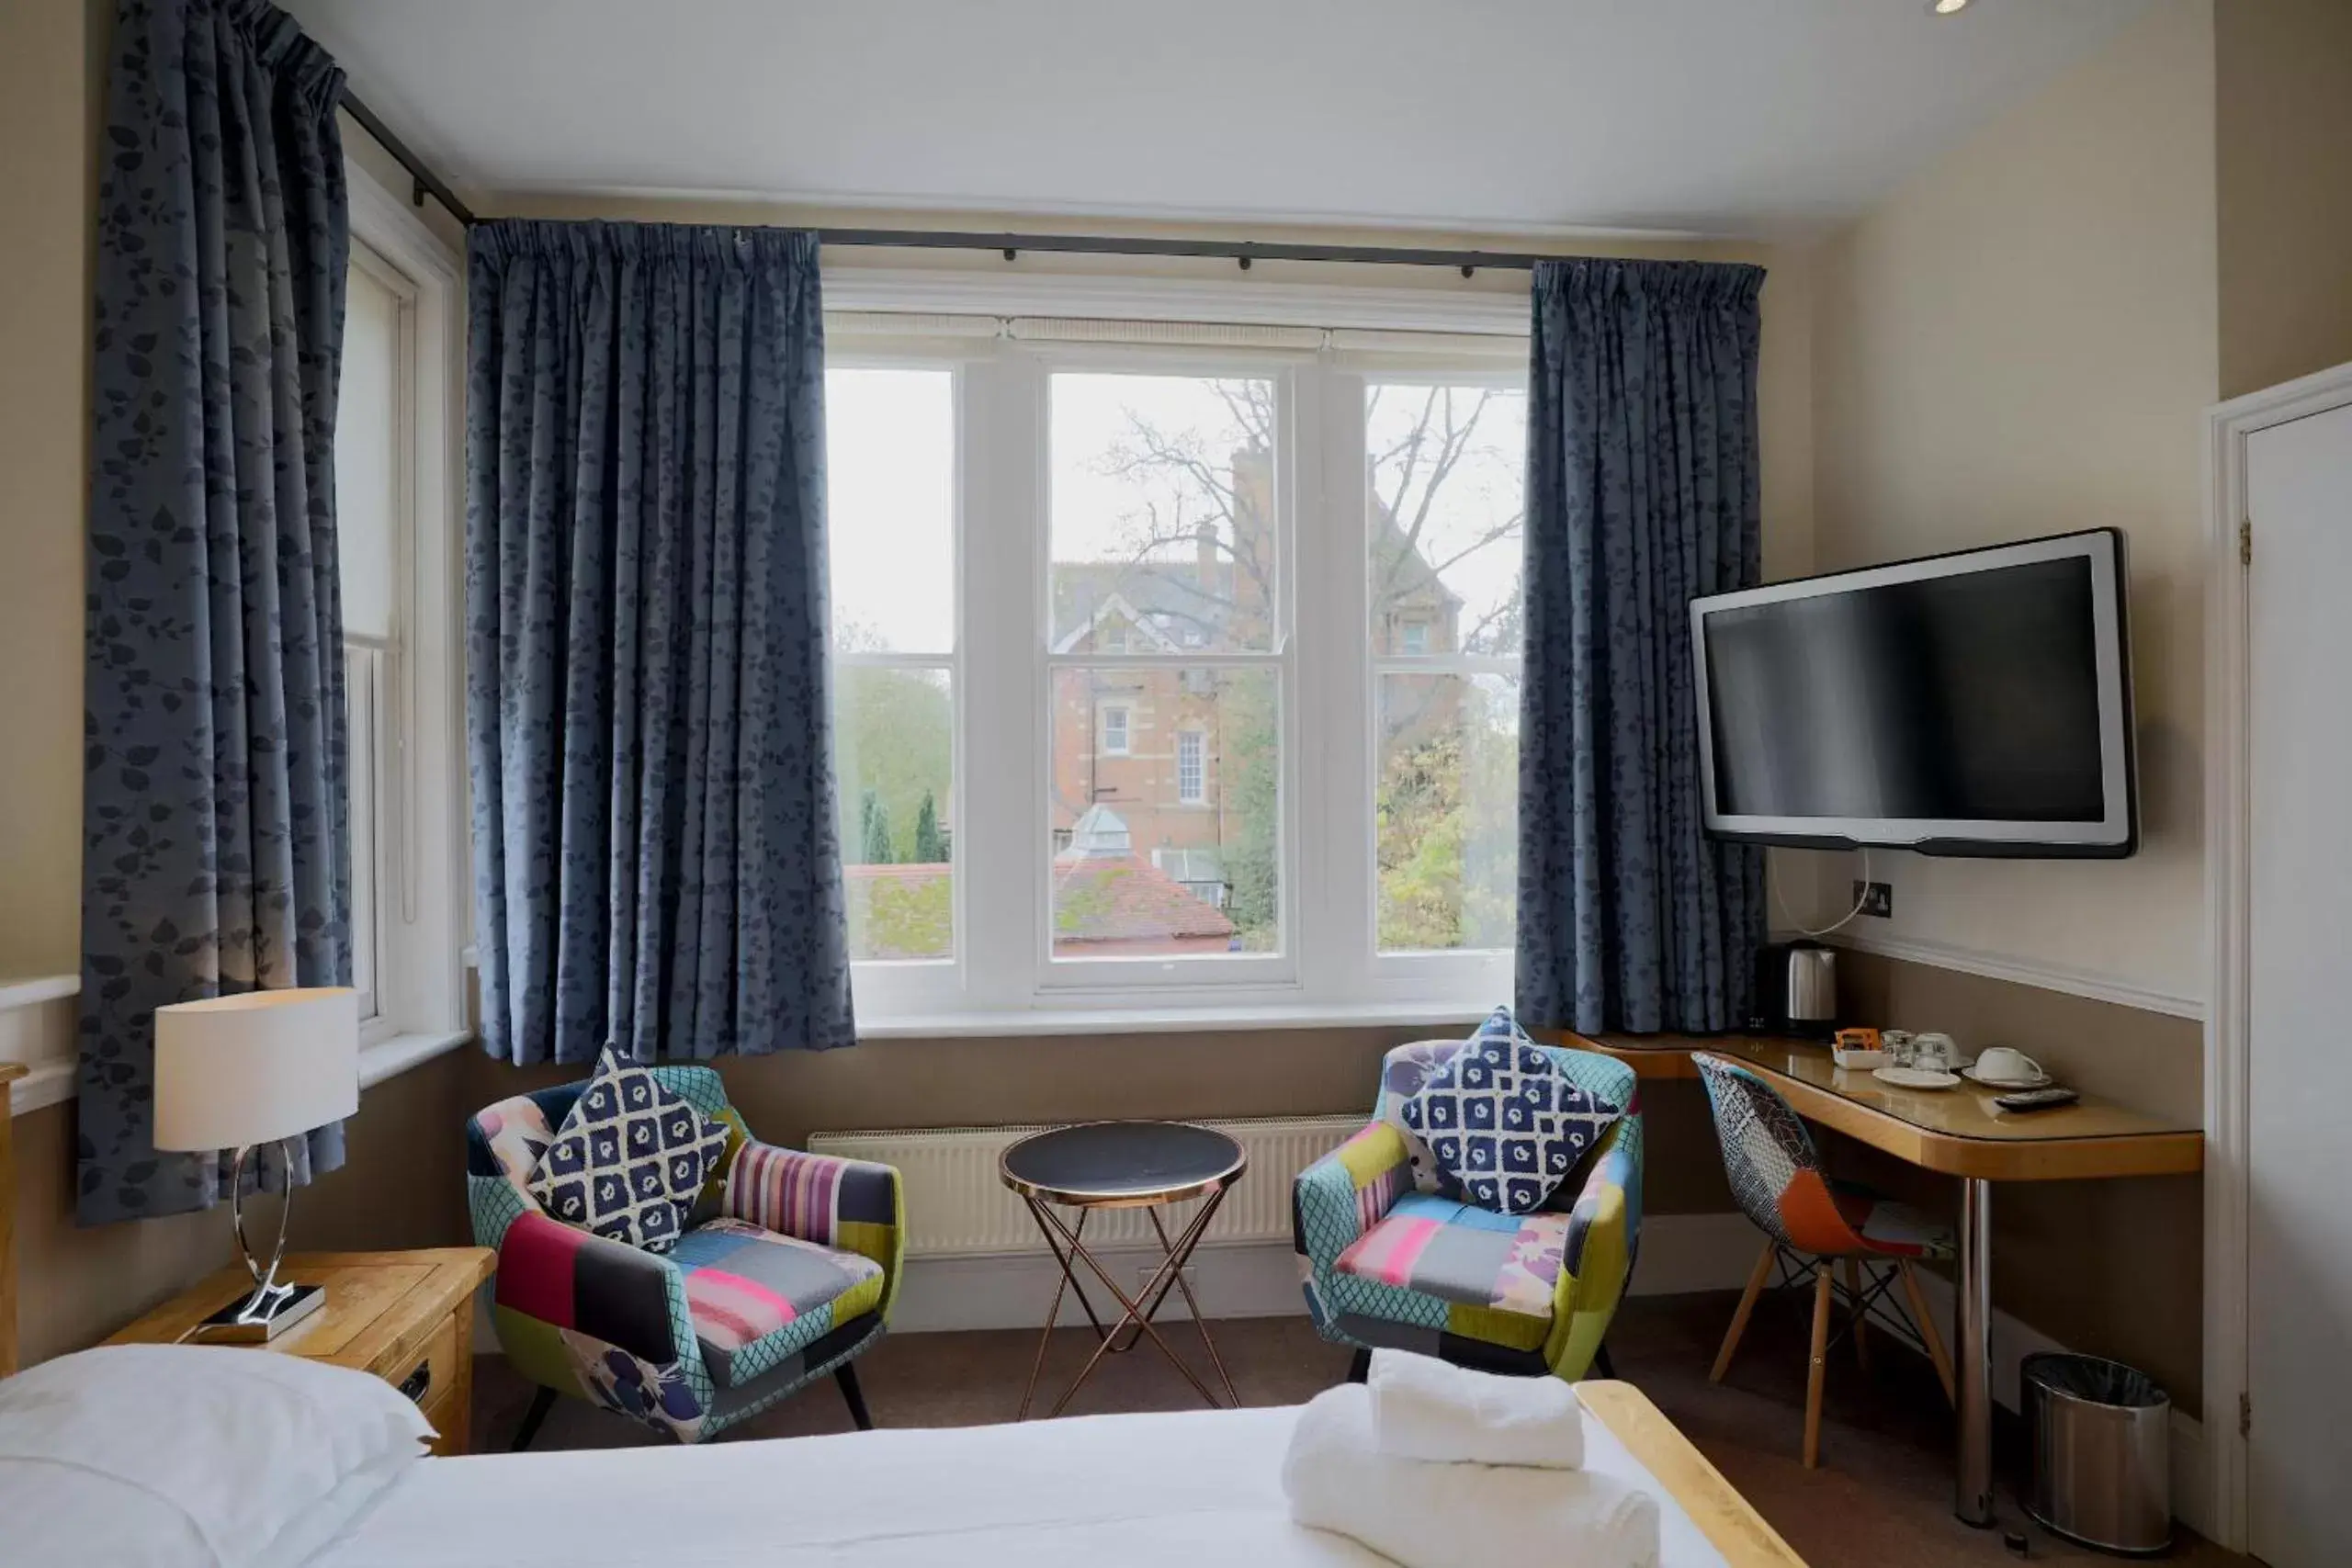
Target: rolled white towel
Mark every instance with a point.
(1425, 1514)
(1425, 1408)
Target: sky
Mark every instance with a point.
(891, 446)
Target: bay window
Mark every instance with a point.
(1176, 668)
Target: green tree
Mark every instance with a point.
(1249, 760)
(875, 842)
(930, 848)
(894, 735)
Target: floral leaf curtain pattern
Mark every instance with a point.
(1641, 491)
(655, 849)
(216, 849)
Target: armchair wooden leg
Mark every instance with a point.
(1821, 1294)
(1927, 1335)
(1854, 1307)
(1755, 1278)
(1603, 1367)
(846, 1375)
(1360, 1364)
(542, 1401)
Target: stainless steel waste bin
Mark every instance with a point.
(2101, 1433)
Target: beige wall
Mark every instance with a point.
(403, 1185)
(2283, 96)
(2021, 340)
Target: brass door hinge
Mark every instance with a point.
(2245, 542)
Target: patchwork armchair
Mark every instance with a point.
(787, 1269)
(1391, 1255)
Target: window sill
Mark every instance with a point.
(1166, 1021)
(389, 1058)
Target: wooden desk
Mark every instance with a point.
(1959, 1132)
(408, 1317)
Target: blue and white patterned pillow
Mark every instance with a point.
(1503, 1121)
(630, 1159)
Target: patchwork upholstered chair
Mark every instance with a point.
(787, 1269)
(1391, 1255)
(1810, 1223)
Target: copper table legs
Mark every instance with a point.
(1134, 1321)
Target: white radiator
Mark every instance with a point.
(957, 1206)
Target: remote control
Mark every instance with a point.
(2037, 1100)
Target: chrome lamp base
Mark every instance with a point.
(273, 1305)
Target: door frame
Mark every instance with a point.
(2228, 844)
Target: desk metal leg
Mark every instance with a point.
(1973, 1312)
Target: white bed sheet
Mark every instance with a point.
(1149, 1490)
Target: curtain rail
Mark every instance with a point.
(1243, 252)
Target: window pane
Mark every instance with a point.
(891, 509)
(365, 446)
(1447, 811)
(1142, 865)
(1165, 533)
(1447, 467)
(893, 764)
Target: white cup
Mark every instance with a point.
(2009, 1064)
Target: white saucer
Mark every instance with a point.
(1973, 1076)
(1916, 1078)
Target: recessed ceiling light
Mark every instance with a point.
(1947, 7)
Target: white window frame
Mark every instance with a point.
(1002, 979)
(899, 987)
(1197, 792)
(421, 866)
(1124, 743)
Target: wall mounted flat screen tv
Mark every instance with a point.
(1977, 704)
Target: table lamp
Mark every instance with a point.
(262, 1067)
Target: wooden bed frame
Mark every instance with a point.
(1723, 1516)
(9, 1073)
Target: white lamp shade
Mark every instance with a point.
(254, 1068)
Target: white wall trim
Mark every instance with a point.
(1011, 292)
(46, 1053)
(2024, 972)
(2228, 844)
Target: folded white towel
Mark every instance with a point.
(1425, 1408)
(1444, 1516)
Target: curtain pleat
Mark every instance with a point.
(1643, 494)
(655, 849)
(216, 839)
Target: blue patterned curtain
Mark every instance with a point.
(1641, 494)
(655, 851)
(216, 853)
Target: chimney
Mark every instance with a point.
(1205, 552)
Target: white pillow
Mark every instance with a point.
(185, 1454)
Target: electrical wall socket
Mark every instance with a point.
(1876, 898)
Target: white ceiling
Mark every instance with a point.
(1713, 116)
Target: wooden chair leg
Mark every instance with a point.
(1854, 1298)
(853, 1396)
(1927, 1335)
(542, 1402)
(1360, 1364)
(1821, 1294)
(1755, 1278)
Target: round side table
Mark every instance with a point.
(1123, 1165)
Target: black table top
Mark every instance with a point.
(1112, 1164)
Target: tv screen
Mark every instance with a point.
(1973, 703)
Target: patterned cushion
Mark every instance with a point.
(630, 1159)
(1504, 1122)
(756, 1296)
(1458, 1253)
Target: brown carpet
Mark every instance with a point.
(1880, 1499)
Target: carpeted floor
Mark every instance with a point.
(1880, 1499)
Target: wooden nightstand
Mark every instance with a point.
(408, 1317)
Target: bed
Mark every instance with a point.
(1143, 1490)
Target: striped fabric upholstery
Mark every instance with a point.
(789, 1267)
(1389, 1257)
